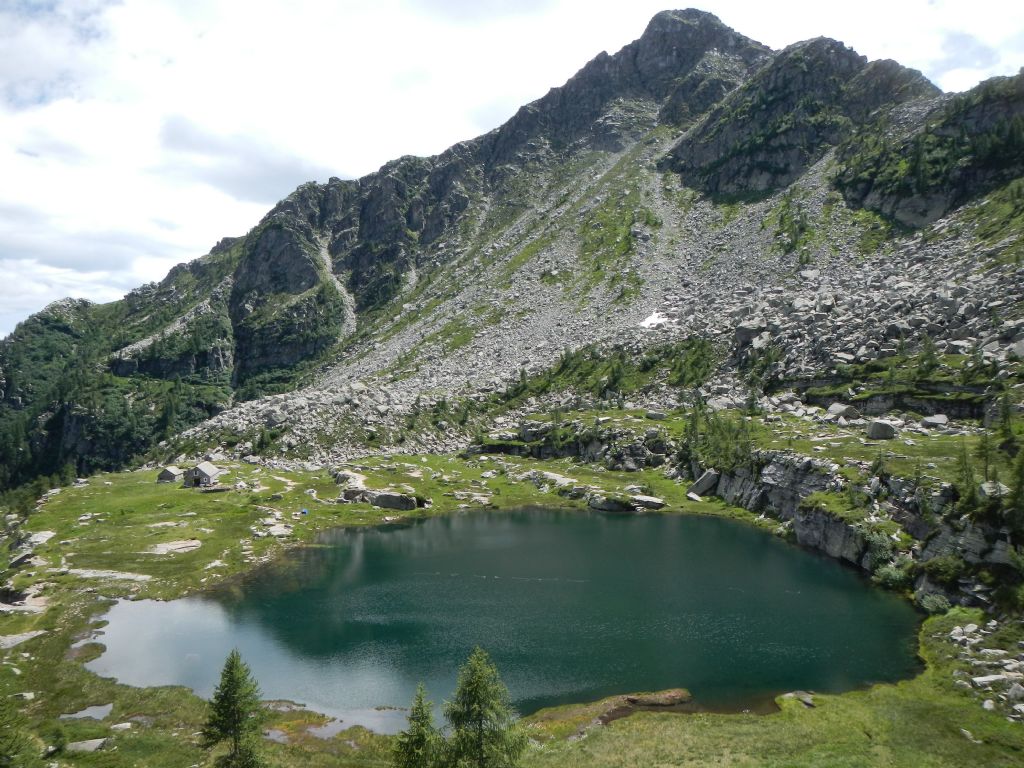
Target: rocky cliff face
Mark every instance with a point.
(925, 165)
(682, 54)
(766, 133)
(782, 486)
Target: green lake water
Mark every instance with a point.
(572, 607)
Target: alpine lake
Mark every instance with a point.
(572, 607)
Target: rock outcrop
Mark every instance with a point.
(767, 132)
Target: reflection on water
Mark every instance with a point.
(572, 606)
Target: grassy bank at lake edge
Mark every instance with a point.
(129, 516)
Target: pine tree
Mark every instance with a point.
(235, 714)
(418, 746)
(485, 733)
(1015, 508)
(1006, 417)
(14, 742)
(927, 358)
(965, 480)
(984, 451)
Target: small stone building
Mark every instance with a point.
(202, 475)
(170, 474)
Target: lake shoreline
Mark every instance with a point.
(73, 611)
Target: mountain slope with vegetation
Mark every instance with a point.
(562, 204)
(700, 268)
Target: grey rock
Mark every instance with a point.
(843, 411)
(748, 330)
(820, 530)
(391, 500)
(90, 745)
(993, 489)
(705, 484)
(984, 681)
(647, 502)
(881, 430)
(604, 503)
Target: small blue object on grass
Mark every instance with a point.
(305, 511)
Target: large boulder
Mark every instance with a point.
(843, 410)
(646, 502)
(881, 430)
(748, 330)
(89, 745)
(705, 483)
(391, 500)
(603, 503)
(670, 698)
(993, 489)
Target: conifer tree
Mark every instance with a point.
(419, 746)
(485, 733)
(984, 451)
(15, 747)
(1015, 508)
(927, 358)
(235, 714)
(1006, 417)
(965, 480)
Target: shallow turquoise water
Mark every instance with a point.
(572, 606)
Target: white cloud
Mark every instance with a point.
(137, 133)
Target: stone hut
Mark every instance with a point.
(170, 474)
(202, 475)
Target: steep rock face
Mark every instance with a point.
(771, 129)
(705, 85)
(296, 331)
(819, 530)
(278, 259)
(916, 170)
(651, 68)
(779, 485)
(785, 480)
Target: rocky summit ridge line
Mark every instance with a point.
(799, 209)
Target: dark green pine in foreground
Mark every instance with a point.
(15, 746)
(419, 745)
(235, 715)
(484, 732)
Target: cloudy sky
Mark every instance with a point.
(135, 134)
